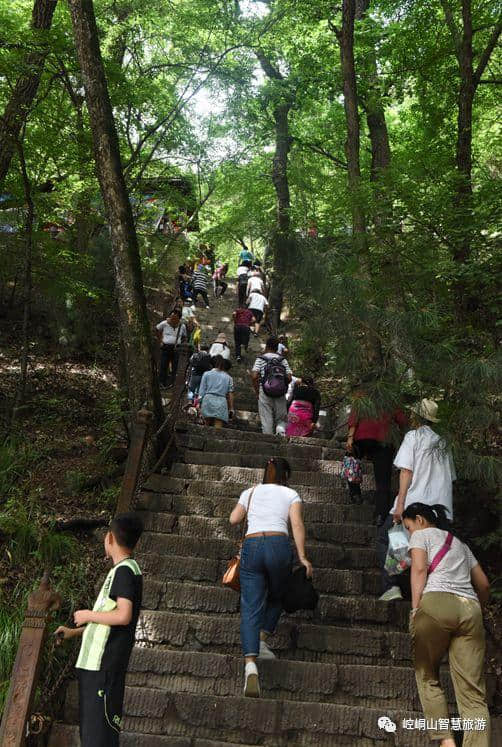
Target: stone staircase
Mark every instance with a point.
(338, 669)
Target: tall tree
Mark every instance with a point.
(25, 90)
(281, 241)
(140, 367)
(352, 144)
(470, 74)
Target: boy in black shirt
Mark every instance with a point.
(108, 637)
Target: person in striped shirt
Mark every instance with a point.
(108, 632)
(200, 283)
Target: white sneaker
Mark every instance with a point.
(393, 593)
(251, 681)
(265, 652)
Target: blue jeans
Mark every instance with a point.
(264, 570)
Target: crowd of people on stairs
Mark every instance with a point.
(436, 569)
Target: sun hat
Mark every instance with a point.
(426, 409)
(221, 338)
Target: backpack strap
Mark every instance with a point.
(438, 557)
(132, 565)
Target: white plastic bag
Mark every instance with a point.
(398, 558)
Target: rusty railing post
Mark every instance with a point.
(139, 437)
(26, 670)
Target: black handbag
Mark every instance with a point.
(299, 593)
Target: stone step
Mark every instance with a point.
(66, 735)
(183, 505)
(206, 431)
(259, 461)
(268, 722)
(220, 528)
(156, 568)
(216, 599)
(321, 555)
(247, 476)
(182, 485)
(222, 675)
(294, 639)
(287, 449)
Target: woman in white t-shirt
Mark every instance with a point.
(447, 586)
(257, 303)
(266, 560)
(220, 347)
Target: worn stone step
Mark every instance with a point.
(294, 639)
(222, 675)
(220, 528)
(168, 483)
(328, 478)
(236, 445)
(66, 735)
(259, 461)
(221, 458)
(159, 568)
(221, 507)
(268, 722)
(224, 433)
(321, 555)
(216, 599)
(287, 449)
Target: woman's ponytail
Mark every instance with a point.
(435, 515)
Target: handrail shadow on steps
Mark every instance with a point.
(16, 724)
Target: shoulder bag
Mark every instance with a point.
(438, 557)
(231, 577)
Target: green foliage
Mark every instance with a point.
(11, 620)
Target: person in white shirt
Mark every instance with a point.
(426, 476)
(255, 283)
(172, 332)
(220, 347)
(257, 303)
(448, 589)
(266, 561)
(242, 281)
(188, 312)
(273, 410)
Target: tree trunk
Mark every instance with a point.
(463, 156)
(27, 284)
(22, 97)
(352, 144)
(382, 217)
(281, 240)
(142, 382)
(469, 81)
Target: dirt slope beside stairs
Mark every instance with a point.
(338, 670)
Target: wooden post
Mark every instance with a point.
(26, 670)
(134, 458)
(184, 351)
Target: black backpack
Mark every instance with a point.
(201, 362)
(274, 378)
(243, 278)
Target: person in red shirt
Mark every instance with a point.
(371, 438)
(243, 319)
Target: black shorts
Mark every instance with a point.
(258, 315)
(101, 695)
